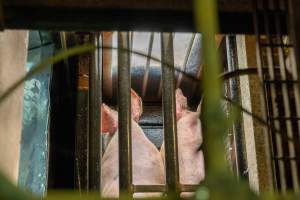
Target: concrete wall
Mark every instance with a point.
(13, 54)
(256, 138)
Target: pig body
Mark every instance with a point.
(147, 164)
(189, 138)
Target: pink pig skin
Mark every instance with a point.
(148, 168)
(189, 137)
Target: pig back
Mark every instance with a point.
(191, 160)
(147, 165)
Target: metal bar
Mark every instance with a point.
(293, 62)
(239, 72)
(287, 158)
(64, 46)
(287, 108)
(99, 63)
(260, 69)
(124, 108)
(94, 123)
(1, 16)
(147, 67)
(231, 51)
(188, 188)
(169, 113)
(187, 56)
(293, 7)
(273, 102)
(281, 82)
(284, 118)
(276, 45)
(163, 188)
(149, 188)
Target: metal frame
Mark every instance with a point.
(280, 87)
(94, 138)
(164, 15)
(169, 113)
(127, 15)
(234, 84)
(124, 108)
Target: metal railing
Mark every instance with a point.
(278, 74)
(124, 114)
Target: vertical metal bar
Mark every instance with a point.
(94, 122)
(186, 59)
(292, 62)
(234, 87)
(147, 67)
(169, 113)
(270, 65)
(286, 105)
(294, 28)
(260, 68)
(99, 63)
(295, 69)
(124, 107)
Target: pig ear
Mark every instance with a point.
(181, 103)
(136, 106)
(109, 120)
(199, 107)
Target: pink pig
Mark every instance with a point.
(189, 137)
(147, 164)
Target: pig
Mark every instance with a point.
(189, 137)
(147, 164)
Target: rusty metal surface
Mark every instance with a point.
(81, 145)
(163, 188)
(94, 138)
(124, 110)
(169, 113)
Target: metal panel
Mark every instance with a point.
(124, 108)
(169, 113)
